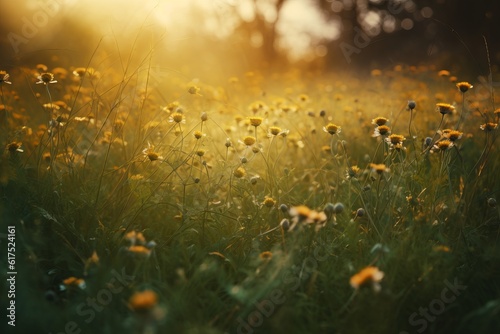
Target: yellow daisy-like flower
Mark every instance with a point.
(381, 130)
(140, 250)
(249, 140)
(442, 145)
(444, 73)
(445, 108)
(490, 126)
(194, 90)
(176, 117)
(452, 135)
(255, 121)
(151, 154)
(274, 130)
(368, 276)
(198, 134)
(352, 172)
(14, 147)
(4, 78)
(380, 121)
(464, 86)
(239, 172)
(379, 168)
(395, 139)
(332, 128)
(269, 202)
(200, 152)
(46, 78)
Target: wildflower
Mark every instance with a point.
(249, 140)
(74, 282)
(139, 250)
(200, 152)
(143, 301)
(412, 104)
(381, 130)
(427, 142)
(239, 172)
(285, 224)
(380, 121)
(176, 117)
(338, 208)
(135, 237)
(228, 143)
(255, 121)
(445, 108)
(302, 214)
(444, 73)
(256, 149)
(452, 135)
(360, 213)
(332, 128)
(46, 78)
(274, 131)
(368, 276)
(441, 248)
(492, 202)
(194, 90)
(379, 168)
(464, 86)
(198, 134)
(352, 172)
(150, 153)
(204, 117)
(14, 147)
(395, 140)
(490, 126)
(266, 256)
(4, 78)
(442, 145)
(269, 202)
(172, 106)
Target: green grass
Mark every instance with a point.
(117, 165)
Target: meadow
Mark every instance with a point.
(293, 201)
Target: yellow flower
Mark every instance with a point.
(4, 78)
(143, 301)
(442, 145)
(140, 250)
(379, 168)
(249, 140)
(445, 108)
(464, 86)
(266, 256)
(368, 276)
(239, 172)
(200, 152)
(352, 171)
(380, 121)
(176, 117)
(151, 154)
(269, 202)
(198, 134)
(74, 282)
(452, 135)
(444, 73)
(332, 128)
(255, 121)
(194, 90)
(46, 78)
(395, 139)
(274, 130)
(14, 147)
(490, 126)
(381, 130)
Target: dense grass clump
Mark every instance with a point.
(292, 202)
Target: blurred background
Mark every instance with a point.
(235, 34)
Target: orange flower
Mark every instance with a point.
(143, 301)
(368, 276)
